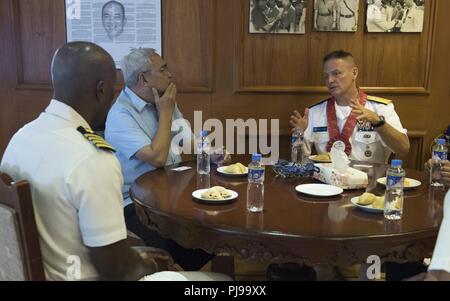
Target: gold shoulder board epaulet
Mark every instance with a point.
(379, 100)
(318, 103)
(95, 139)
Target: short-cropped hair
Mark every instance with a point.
(338, 54)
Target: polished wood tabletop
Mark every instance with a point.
(293, 226)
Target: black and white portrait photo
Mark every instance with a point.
(117, 25)
(277, 16)
(336, 15)
(113, 18)
(395, 15)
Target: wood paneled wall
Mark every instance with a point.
(280, 63)
(226, 72)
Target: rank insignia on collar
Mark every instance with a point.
(379, 100)
(95, 139)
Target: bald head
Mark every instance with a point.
(83, 76)
(78, 67)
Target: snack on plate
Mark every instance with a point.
(323, 157)
(367, 198)
(223, 192)
(379, 202)
(237, 168)
(211, 194)
(406, 182)
(216, 193)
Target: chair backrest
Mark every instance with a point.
(19, 241)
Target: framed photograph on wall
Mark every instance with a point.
(116, 25)
(395, 15)
(336, 15)
(277, 16)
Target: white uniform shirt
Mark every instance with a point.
(367, 144)
(441, 255)
(75, 189)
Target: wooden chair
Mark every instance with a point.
(20, 257)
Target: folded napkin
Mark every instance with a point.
(338, 172)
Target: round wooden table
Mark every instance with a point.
(293, 227)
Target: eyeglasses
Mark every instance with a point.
(162, 70)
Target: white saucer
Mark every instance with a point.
(197, 195)
(367, 208)
(412, 183)
(221, 171)
(321, 190)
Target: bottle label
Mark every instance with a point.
(440, 155)
(294, 139)
(255, 174)
(393, 181)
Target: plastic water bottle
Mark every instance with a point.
(393, 199)
(297, 146)
(255, 187)
(203, 156)
(439, 154)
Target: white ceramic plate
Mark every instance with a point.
(367, 208)
(321, 190)
(221, 171)
(197, 195)
(412, 183)
(313, 158)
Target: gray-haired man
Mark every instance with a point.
(139, 127)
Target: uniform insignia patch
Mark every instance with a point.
(379, 100)
(95, 139)
(364, 126)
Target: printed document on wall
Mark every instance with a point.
(116, 25)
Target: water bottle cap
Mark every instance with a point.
(396, 163)
(256, 157)
(441, 141)
(203, 133)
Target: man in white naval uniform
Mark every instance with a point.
(440, 261)
(439, 269)
(75, 178)
(369, 126)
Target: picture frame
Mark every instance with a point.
(116, 25)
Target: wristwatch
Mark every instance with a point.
(379, 123)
